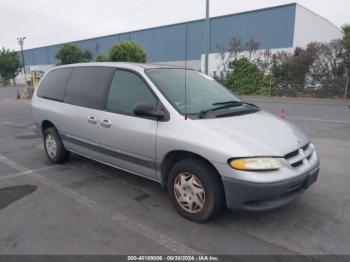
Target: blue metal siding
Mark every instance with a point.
(124, 37)
(271, 27)
(41, 56)
(90, 44)
(28, 57)
(162, 44)
(104, 43)
(52, 53)
(195, 40)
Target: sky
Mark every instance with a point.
(47, 22)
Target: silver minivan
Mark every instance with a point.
(178, 127)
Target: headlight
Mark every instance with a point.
(254, 164)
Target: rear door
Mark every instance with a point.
(126, 140)
(82, 102)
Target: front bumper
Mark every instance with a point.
(266, 196)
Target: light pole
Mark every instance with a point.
(206, 39)
(25, 90)
(21, 42)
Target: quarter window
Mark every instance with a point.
(126, 91)
(54, 83)
(87, 85)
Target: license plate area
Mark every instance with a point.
(312, 177)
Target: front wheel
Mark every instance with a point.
(195, 189)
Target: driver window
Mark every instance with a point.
(127, 90)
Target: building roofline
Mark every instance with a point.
(320, 16)
(167, 25)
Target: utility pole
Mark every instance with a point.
(346, 85)
(25, 90)
(206, 39)
(21, 42)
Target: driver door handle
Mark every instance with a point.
(106, 123)
(92, 120)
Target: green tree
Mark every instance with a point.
(245, 78)
(70, 54)
(327, 69)
(127, 51)
(10, 64)
(252, 47)
(101, 58)
(290, 71)
(86, 55)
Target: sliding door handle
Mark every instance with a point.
(106, 123)
(92, 120)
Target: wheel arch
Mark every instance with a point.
(45, 124)
(175, 156)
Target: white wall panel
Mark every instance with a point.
(310, 27)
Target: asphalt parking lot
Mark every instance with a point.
(84, 207)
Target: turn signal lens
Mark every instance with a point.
(254, 164)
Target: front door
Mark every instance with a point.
(126, 140)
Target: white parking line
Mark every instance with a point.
(318, 119)
(5, 123)
(26, 172)
(145, 231)
(40, 146)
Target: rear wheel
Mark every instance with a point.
(195, 189)
(54, 148)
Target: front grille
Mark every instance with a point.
(299, 163)
(292, 154)
(301, 157)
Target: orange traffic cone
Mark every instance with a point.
(18, 95)
(283, 113)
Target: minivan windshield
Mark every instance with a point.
(203, 94)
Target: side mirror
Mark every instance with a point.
(144, 109)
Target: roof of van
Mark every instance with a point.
(123, 64)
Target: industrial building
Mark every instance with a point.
(276, 28)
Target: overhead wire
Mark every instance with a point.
(139, 7)
(19, 15)
(123, 13)
(44, 17)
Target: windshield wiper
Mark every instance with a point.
(224, 105)
(238, 103)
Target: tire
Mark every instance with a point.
(197, 177)
(55, 151)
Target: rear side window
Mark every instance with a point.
(54, 84)
(87, 85)
(126, 91)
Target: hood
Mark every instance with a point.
(257, 134)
